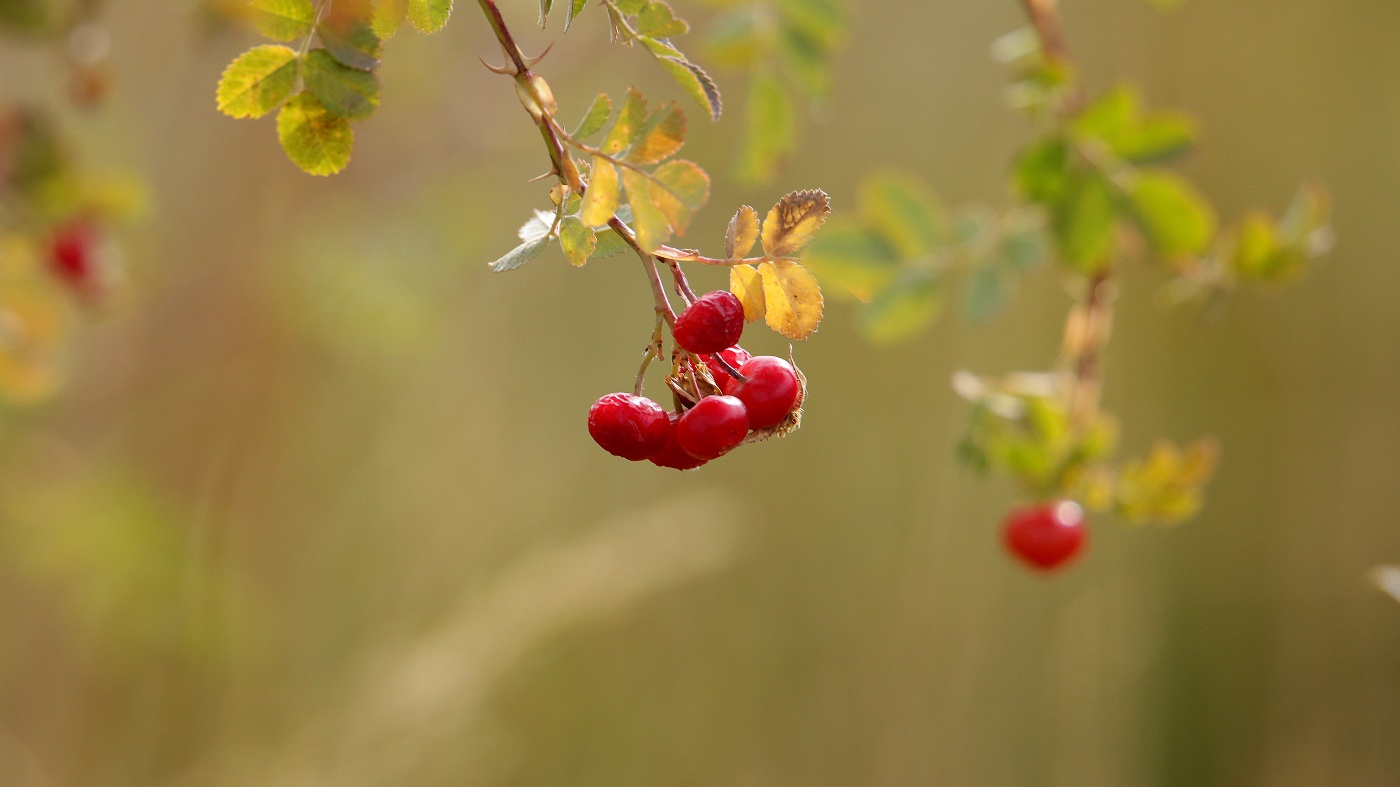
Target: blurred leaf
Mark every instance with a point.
(679, 189)
(747, 285)
(350, 40)
(1117, 119)
(652, 226)
(577, 240)
(1042, 169)
(1023, 248)
(792, 223)
(1174, 217)
(388, 17)
(905, 213)
(1166, 486)
(904, 308)
(986, 293)
(284, 20)
(317, 141)
(429, 16)
(657, 20)
(344, 91)
(772, 128)
(596, 117)
(734, 39)
(601, 199)
(258, 81)
(742, 233)
(792, 299)
(1083, 219)
(852, 259)
(520, 255)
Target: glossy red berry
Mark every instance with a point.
(769, 391)
(672, 455)
(713, 427)
(711, 324)
(1046, 536)
(632, 427)
(736, 356)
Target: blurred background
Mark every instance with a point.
(315, 503)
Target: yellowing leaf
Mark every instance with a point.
(388, 16)
(257, 81)
(793, 221)
(344, 91)
(283, 20)
(679, 188)
(742, 233)
(747, 285)
(652, 226)
(601, 198)
(663, 135)
(792, 299)
(577, 240)
(315, 140)
(657, 20)
(347, 35)
(627, 125)
(429, 16)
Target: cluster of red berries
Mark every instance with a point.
(1046, 536)
(763, 395)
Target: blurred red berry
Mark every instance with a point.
(1045, 536)
(711, 324)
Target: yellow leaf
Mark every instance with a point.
(663, 135)
(747, 285)
(792, 297)
(742, 233)
(258, 81)
(679, 188)
(793, 221)
(314, 139)
(652, 226)
(600, 200)
(627, 125)
(577, 240)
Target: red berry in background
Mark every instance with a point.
(736, 357)
(769, 391)
(73, 255)
(673, 455)
(712, 323)
(630, 426)
(1046, 536)
(713, 427)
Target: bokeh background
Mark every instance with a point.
(316, 505)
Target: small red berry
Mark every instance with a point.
(712, 323)
(713, 427)
(673, 455)
(769, 391)
(632, 427)
(1046, 536)
(736, 356)
(73, 257)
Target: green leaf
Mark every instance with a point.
(986, 294)
(1118, 120)
(852, 259)
(772, 128)
(1042, 169)
(596, 117)
(258, 81)
(344, 91)
(573, 10)
(609, 244)
(1083, 219)
(545, 7)
(627, 124)
(284, 20)
(351, 41)
(657, 20)
(696, 83)
(734, 40)
(429, 16)
(577, 240)
(904, 212)
(520, 255)
(1174, 217)
(904, 308)
(679, 189)
(630, 7)
(316, 140)
(1022, 247)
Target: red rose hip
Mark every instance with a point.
(73, 255)
(769, 392)
(713, 427)
(712, 323)
(672, 455)
(1046, 536)
(736, 357)
(630, 426)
